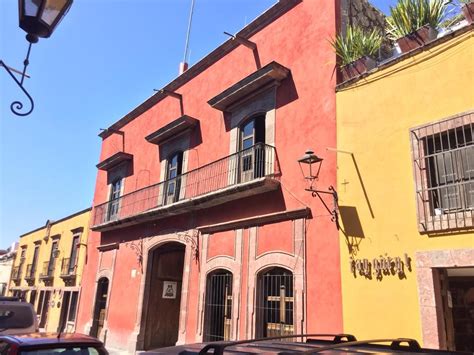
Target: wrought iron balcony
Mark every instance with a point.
(16, 273)
(48, 269)
(67, 270)
(250, 171)
(30, 272)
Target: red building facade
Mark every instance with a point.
(202, 229)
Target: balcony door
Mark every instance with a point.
(252, 148)
(114, 203)
(34, 262)
(73, 258)
(173, 178)
(52, 258)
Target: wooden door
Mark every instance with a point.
(164, 296)
(44, 309)
(100, 307)
(64, 310)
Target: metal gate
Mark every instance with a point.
(218, 309)
(275, 304)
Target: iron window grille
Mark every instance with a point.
(443, 161)
(275, 303)
(218, 309)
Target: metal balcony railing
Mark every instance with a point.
(66, 268)
(16, 273)
(244, 166)
(48, 269)
(30, 272)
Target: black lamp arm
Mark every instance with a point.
(16, 106)
(331, 191)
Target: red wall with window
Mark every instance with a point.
(303, 117)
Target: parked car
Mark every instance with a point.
(315, 343)
(51, 343)
(17, 317)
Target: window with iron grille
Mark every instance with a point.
(443, 156)
(275, 303)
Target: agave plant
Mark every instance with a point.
(407, 16)
(356, 43)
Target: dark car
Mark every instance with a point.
(17, 318)
(305, 344)
(51, 343)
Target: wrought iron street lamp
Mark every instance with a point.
(38, 18)
(310, 165)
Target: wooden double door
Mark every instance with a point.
(164, 296)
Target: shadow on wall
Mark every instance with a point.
(363, 186)
(351, 228)
(286, 92)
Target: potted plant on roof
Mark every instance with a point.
(412, 23)
(356, 51)
(468, 10)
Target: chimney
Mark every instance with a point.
(183, 66)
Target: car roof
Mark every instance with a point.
(341, 344)
(50, 339)
(15, 303)
(9, 298)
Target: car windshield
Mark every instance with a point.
(79, 350)
(15, 316)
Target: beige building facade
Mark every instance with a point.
(47, 270)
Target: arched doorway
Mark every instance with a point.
(218, 309)
(100, 307)
(275, 303)
(164, 283)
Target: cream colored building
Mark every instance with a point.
(47, 270)
(6, 263)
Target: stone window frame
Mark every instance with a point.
(428, 263)
(261, 103)
(225, 262)
(117, 173)
(167, 149)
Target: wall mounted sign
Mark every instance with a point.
(381, 266)
(169, 289)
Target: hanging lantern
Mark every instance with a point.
(39, 18)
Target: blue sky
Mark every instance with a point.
(104, 59)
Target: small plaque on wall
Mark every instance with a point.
(169, 289)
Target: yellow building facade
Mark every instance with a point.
(48, 267)
(406, 196)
